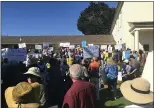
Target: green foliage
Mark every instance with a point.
(96, 19)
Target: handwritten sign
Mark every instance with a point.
(91, 51)
(15, 54)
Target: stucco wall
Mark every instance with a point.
(131, 12)
(148, 69)
(146, 37)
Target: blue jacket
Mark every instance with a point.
(111, 71)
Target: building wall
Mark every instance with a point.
(146, 37)
(131, 12)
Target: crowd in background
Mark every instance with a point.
(66, 79)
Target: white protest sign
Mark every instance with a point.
(66, 44)
(148, 70)
(104, 47)
(38, 47)
(90, 44)
(15, 54)
(91, 51)
(110, 49)
(71, 46)
(22, 45)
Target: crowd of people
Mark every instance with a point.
(66, 80)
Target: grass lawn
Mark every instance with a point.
(107, 102)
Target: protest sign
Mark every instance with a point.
(83, 43)
(71, 46)
(110, 49)
(91, 51)
(45, 45)
(118, 46)
(22, 45)
(66, 44)
(15, 54)
(104, 47)
(90, 44)
(38, 47)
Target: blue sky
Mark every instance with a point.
(42, 18)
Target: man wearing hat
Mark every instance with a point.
(33, 76)
(138, 92)
(82, 93)
(23, 95)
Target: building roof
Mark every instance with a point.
(91, 39)
(119, 6)
(142, 24)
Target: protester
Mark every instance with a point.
(82, 93)
(138, 92)
(23, 95)
(85, 70)
(142, 57)
(94, 74)
(33, 75)
(111, 71)
(135, 65)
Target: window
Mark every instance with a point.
(146, 47)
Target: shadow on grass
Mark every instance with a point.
(107, 102)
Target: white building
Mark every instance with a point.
(133, 25)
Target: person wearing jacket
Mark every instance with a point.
(111, 70)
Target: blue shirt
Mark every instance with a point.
(111, 71)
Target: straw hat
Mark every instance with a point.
(33, 71)
(23, 93)
(137, 91)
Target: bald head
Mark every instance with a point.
(75, 71)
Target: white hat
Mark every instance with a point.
(33, 71)
(137, 91)
(126, 61)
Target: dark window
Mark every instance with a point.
(146, 47)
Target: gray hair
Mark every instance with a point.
(76, 71)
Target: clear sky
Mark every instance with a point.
(42, 18)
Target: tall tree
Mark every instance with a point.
(96, 19)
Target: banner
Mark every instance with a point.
(22, 45)
(83, 43)
(15, 54)
(91, 51)
(38, 47)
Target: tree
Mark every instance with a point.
(96, 19)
